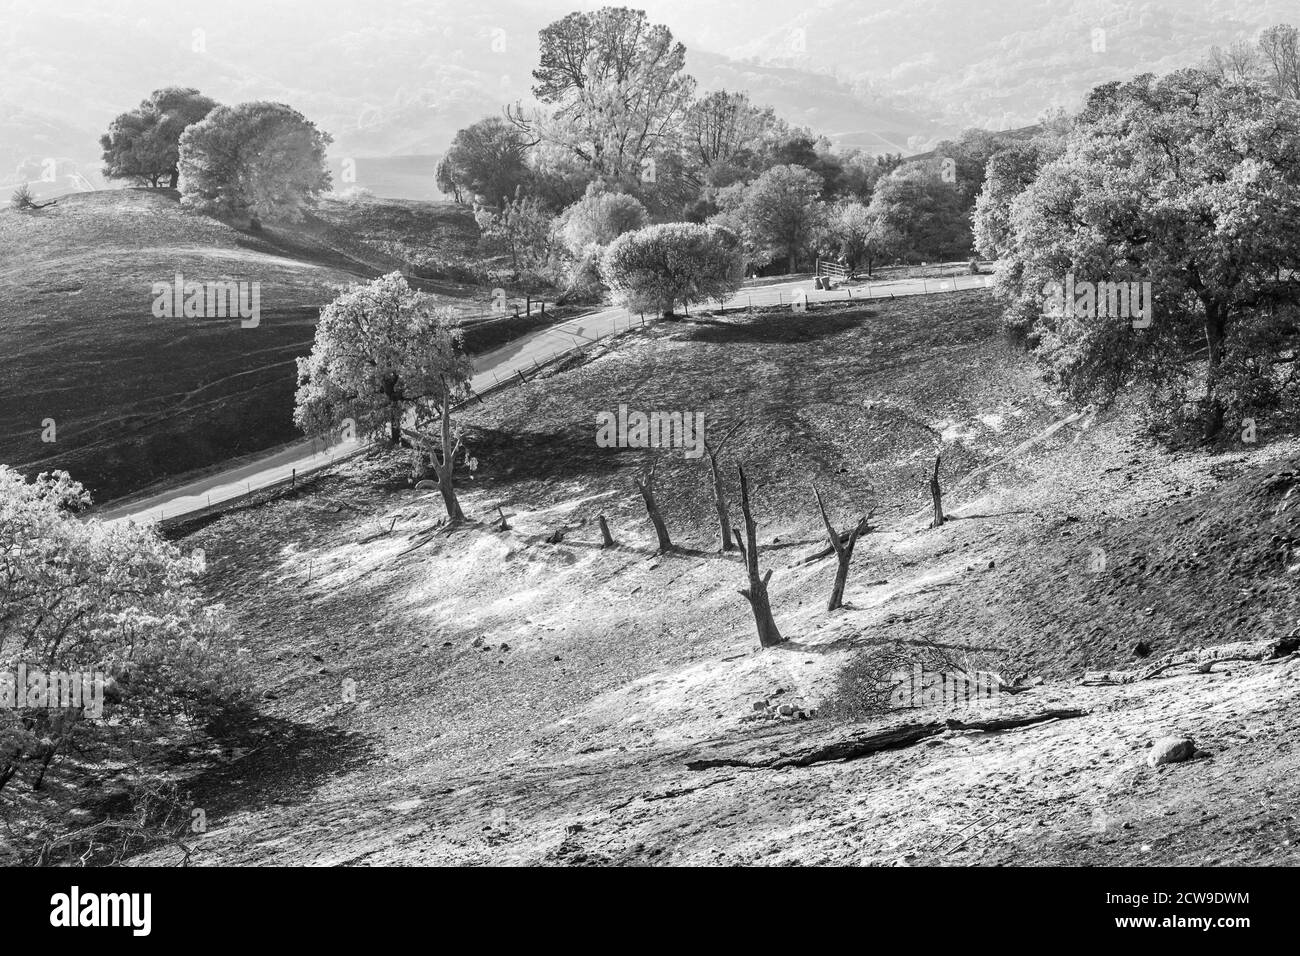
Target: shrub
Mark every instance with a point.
(865, 686)
(85, 597)
(654, 269)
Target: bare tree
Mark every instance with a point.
(1238, 62)
(937, 494)
(756, 594)
(1280, 46)
(719, 499)
(843, 551)
(646, 485)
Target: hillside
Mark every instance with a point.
(136, 398)
(519, 701)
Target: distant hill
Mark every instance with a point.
(996, 65)
(394, 83)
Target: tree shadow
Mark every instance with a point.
(284, 762)
(768, 328)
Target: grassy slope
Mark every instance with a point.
(519, 701)
(137, 398)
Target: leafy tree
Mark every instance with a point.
(252, 162)
(1010, 172)
(83, 597)
(520, 230)
(926, 215)
(779, 214)
(446, 181)
(654, 269)
(385, 359)
(618, 88)
(857, 235)
(1192, 184)
(858, 174)
(487, 160)
(801, 148)
(586, 228)
(599, 218)
(143, 145)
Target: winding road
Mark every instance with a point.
(279, 466)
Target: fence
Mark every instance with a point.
(829, 267)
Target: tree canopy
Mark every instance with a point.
(252, 162)
(143, 144)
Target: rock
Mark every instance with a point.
(786, 710)
(425, 484)
(1171, 750)
(760, 705)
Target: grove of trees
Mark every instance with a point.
(619, 115)
(1190, 183)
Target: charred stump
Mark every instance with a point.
(936, 494)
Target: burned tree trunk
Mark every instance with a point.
(843, 552)
(646, 486)
(604, 532)
(936, 494)
(756, 594)
(719, 498)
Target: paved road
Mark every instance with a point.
(489, 368)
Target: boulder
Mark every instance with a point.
(1171, 750)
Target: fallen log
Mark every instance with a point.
(1202, 659)
(860, 745)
